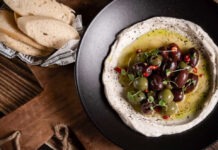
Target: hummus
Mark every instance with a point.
(181, 29)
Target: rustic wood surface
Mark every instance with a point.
(17, 84)
(58, 103)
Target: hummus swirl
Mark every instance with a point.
(154, 126)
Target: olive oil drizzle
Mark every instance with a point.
(194, 101)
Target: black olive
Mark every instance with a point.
(181, 78)
(137, 68)
(146, 107)
(164, 52)
(193, 81)
(156, 82)
(175, 53)
(178, 95)
(168, 65)
(147, 71)
(194, 57)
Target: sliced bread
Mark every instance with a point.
(49, 8)
(47, 31)
(16, 16)
(8, 26)
(22, 47)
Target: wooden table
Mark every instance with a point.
(59, 102)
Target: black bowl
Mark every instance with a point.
(94, 48)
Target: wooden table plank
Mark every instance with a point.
(17, 84)
(56, 104)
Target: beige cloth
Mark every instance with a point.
(62, 134)
(16, 136)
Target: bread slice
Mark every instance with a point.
(49, 8)
(47, 31)
(22, 47)
(8, 26)
(16, 16)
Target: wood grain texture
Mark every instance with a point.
(17, 84)
(58, 103)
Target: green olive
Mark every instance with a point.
(169, 86)
(141, 83)
(156, 60)
(140, 58)
(171, 108)
(128, 89)
(151, 93)
(166, 95)
(124, 80)
(135, 98)
(183, 65)
(140, 96)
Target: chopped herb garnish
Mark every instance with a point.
(131, 77)
(154, 52)
(165, 82)
(168, 72)
(150, 99)
(123, 72)
(162, 103)
(130, 96)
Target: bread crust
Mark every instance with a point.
(47, 31)
(22, 47)
(8, 26)
(49, 8)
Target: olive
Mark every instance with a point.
(181, 78)
(146, 107)
(176, 55)
(137, 98)
(141, 83)
(173, 46)
(172, 65)
(194, 57)
(183, 65)
(169, 85)
(176, 52)
(193, 81)
(147, 71)
(124, 80)
(156, 82)
(164, 52)
(156, 60)
(140, 58)
(171, 108)
(129, 89)
(140, 68)
(137, 68)
(166, 95)
(168, 65)
(151, 93)
(178, 95)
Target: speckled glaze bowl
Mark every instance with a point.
(113, 90)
